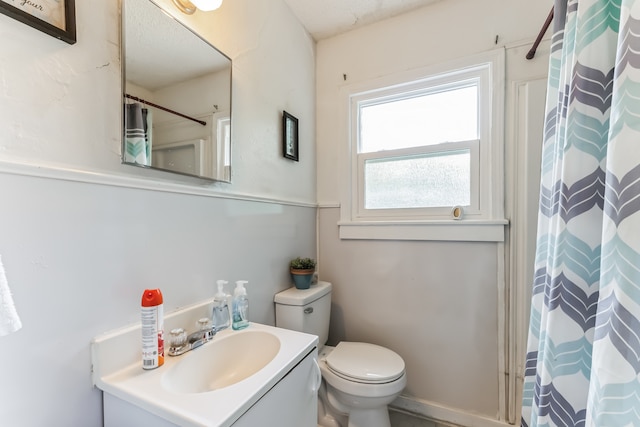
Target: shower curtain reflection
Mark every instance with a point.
(137, 134)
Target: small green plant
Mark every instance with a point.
(302, 263)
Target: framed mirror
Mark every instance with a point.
(176, 96)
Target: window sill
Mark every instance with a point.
(444, 230)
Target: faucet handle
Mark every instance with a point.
(178, 337)
(177, 342)
(204, 324)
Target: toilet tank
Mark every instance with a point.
(305, 310)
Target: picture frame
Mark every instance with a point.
(56, 18)
(290, 136)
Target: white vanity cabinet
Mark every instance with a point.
(293, 402)
(119, 413)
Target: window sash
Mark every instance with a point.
(415, 90)
(473, 147)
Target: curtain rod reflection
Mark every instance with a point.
(135, 98)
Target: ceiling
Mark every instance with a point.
(160, 51)
(326, 18)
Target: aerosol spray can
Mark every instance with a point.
(152, 329)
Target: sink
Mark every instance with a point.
(222, 362)
(214, 385)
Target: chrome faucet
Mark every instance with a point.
(180, 342)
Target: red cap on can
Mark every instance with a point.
(151, 297)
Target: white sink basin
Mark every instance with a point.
(222, 362)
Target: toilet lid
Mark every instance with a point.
(365, 362)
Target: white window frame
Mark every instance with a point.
(484, 219)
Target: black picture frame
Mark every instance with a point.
(57, 23)
(289, 136)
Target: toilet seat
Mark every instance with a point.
(365, 363)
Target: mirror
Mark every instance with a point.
(177, 96)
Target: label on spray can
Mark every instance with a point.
(152, 317)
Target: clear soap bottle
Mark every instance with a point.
(220, 316)
(240, 307)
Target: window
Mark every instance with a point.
(423, 144)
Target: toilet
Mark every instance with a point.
(359, 379)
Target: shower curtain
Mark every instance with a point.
(583, 359)
(137, 134)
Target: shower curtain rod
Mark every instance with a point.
(135, 98)
(543, 30)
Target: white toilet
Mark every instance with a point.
(359, 379)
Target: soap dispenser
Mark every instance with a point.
(220, 316)
(240, 306)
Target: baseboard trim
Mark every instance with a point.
(439, 413)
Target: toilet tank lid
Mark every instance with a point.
(294, 296)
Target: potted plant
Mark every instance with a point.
(302, 270)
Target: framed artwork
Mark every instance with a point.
(289, 136)
(54, 17)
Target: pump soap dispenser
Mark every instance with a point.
(220, 316)
(240, 306)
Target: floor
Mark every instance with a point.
(400, 419)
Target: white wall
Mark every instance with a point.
(53, 82)
(443, 306)
(81, 235)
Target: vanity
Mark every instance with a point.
(261, 375)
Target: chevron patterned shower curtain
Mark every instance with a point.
(583, 360)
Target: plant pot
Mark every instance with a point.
(302, 278)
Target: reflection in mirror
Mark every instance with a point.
(177, 96)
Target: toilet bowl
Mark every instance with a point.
(360, 387)
(359, 379)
